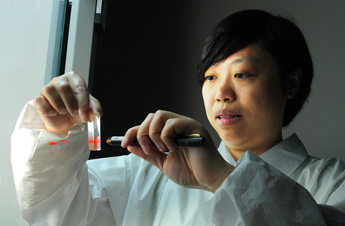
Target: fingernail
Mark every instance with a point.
(84, 117)
(62, 111)
(145, 149)
(160, 146)
(171, 149)
(51, 113)
(75, 113)
(124, 141)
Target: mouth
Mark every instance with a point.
(228, 116)
(225, 117)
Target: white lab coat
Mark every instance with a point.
(56, 185)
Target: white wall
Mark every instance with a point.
(24, 27)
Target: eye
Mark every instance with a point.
(210, 77)
(241, 76)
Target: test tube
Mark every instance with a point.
(94, 131)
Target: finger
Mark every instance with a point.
(130, 135)
(143, 134)
(43, 106)
(51, 94)
(81, 95)
(67, 96)
(167, 133)
(177, 126)
(156, 126)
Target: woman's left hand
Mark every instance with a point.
(192, 167)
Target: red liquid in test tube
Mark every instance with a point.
(94, 143)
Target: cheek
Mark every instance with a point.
(275, 96)
(269, 103)
(207, 97)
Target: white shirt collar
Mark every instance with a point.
(285, 156)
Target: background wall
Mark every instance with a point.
(147, 61)
(24, 27)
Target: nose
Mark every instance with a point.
(225, 92)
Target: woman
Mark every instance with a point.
(256, 73)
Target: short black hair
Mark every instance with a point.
(277, 35)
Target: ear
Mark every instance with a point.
(293, 81)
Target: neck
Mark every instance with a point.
(258, 149)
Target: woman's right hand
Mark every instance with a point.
(65, 102)
(200, 167)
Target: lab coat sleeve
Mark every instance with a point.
(51, 175)
(262, 195)
(325, 179)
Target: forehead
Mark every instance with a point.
(252, 55)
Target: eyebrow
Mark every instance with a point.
(254, 61)
(239, 60)
(236, 61)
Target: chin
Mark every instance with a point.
(232, 137)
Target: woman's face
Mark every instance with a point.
(245, 101)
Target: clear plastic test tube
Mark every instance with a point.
(94, 133)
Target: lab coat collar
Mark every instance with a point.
(285, 156)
